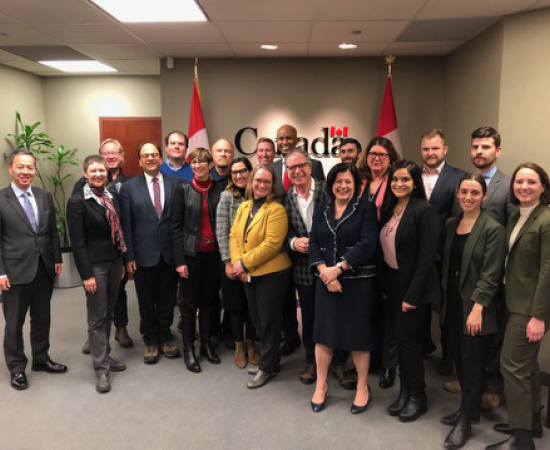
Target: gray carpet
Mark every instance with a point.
(166, 407)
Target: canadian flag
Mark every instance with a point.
(198, 137)
(387, 125)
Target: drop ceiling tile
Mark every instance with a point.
(89, 34)
(177, 33)
(540, 4)
(445, 30)
(6, 19)
(284, 50)
(194, 50)
(32, 67)
(7, 56)
(363, 49)
(46, 52)
(18, 34)
(249, 10)
(54, 11)
(367, 9)
(121, 51)
(371, 31)
(265, 32)
(448, 9)
(423, 48)
(145, 66)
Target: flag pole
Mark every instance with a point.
(390, 59)
(196, 68)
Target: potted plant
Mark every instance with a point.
(29, 138)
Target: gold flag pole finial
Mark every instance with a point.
(390, 59)
(196, 68)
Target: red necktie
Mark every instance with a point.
(286, 182)
(156, 196)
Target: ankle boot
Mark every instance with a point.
(122, 337)
(253, 357)
(520, 440)
(404, 393)
(414, 408)
(190, 359)
(240, 355)
(459, 435)
(208, 351)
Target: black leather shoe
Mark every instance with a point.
(413, 409)
(318, 407)
(504, 428)
(19, 381)
(395, 408)
(209, 353)
(360, 409)
(451, 419)
(387, 378)
(520, 440)
(288, 347)
(459, 435)
(190, 359)
(50, 367)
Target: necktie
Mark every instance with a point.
(156, 196)
(286, 182)
(29, 211)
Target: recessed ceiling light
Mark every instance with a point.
(153, 11)
(79, 66)
(347, 46)
(269, 47)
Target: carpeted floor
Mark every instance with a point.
(164, 406)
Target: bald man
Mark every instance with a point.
(223, 153)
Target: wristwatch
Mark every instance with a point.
(340, 266)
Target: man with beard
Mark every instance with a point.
(350, 150)
(223, 153)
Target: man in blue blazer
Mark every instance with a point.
(147, 211)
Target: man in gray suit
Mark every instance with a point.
(30, 259)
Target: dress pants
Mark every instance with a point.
(121, 305)
(34, 296)
(100, 306)
(156, 291)
(494, 382)
(520, 369)
(307, 303)
(290, 319)
(266, 296)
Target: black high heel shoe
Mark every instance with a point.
(359, 409)
(318, 407)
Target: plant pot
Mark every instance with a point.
(69, 277)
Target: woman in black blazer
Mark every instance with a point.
(409, 244)
(472, 261)
(97, 241)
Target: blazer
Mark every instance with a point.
(416, 249)
(353, 239)
(317, 172)
(187, 218)
(498, 204)
(528, 266)
(260, 246)
(480, 269)
(21, 248)
(225, 216)
(147, 237)
(90, 232)
(303, 274)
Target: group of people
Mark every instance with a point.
(378, 241)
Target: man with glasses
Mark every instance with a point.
(147, 211)
(175, 144)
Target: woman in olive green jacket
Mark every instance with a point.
(473, 257)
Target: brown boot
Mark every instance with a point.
(122, 337)
(240, 355)
(253, 357)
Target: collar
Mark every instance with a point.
(527, 210)
(490, 173)
(88, 193)
(171, 166)
(19, 192)
(437, 170)
(312, 188)
(149, 178)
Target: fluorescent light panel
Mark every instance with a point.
(269, 46)
(152, 11)
(79, 66)
(347, 46)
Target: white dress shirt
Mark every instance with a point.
(19, 194)
(149, 181)
(430, 177)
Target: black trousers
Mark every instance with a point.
(34, 296)
(290, 319)
(410, 337)
(494, 381)
(121, 306)
(156, 292)
(266, 296)
(199, 293)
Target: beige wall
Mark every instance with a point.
(309, 93)
(19, 91)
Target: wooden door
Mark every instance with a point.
(131, 132)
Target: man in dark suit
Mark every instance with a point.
(440, 180)
(147, 212)
(30, 259)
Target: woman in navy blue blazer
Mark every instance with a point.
(409, 242)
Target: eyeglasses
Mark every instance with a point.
(381, 156)
(198, 163)
(297, 166)
(239, 172)
(150, 156)
(109, 153)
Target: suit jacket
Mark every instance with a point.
(416, 249)
(260, 245)
(147, 237)
(498, 203)
(303, 274)
(352, 239)
(21, 248)
(317, 172)
(480, 269)
(528, 266)
(90, 232)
